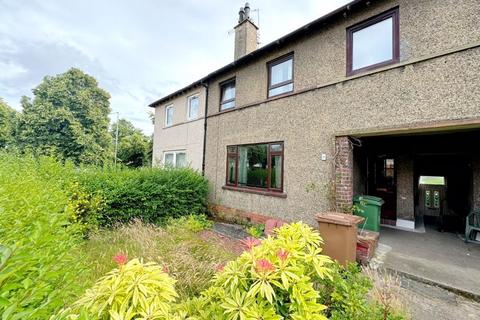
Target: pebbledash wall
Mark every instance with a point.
(436, 83)
(184, 135)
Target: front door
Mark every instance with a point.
(384, 186)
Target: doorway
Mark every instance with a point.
(383, 184)
(455, 196)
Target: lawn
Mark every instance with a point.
(190, 256)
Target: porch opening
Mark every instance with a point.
(426, 180)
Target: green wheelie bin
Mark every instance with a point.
(370, 208)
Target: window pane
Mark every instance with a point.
(275, 147)
(281, 72)
(252, 166)
(169, 116)
(280, 90)
(373, 44)
(169, 159)
(181, 160)
(276, 178)
(231, 171)
(228, 91)
(193, 108)
(228, 105)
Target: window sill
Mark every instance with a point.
(256, 191)
(372, 67)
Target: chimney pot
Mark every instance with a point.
(247, 10)
(241, 15)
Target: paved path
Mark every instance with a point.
(435, 256)
(426, 302)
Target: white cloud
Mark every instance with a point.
(10, 70)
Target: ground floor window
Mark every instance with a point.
(176, 159)
(257, 166)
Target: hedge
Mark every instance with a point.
(150, 194)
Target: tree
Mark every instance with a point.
(133, 145)
(68, 117)
(8, 119)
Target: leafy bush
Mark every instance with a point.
(150, 194)
(273, 280)
(39, 262)
(256, 230)
(346, 293)
(192, 222)
(134, 290)
(85, 208)
(287, 278)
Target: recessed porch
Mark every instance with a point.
(425, 179)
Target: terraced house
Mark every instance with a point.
(378, 97)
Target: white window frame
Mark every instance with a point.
(175, 157)
(188, 106)
(166, 115)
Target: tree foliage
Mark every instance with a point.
(134, 148)
(68, 117)
(8, 118)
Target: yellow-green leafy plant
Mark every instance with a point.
(274, 279)
(134, 290)
(256, 230)
(192, 222)
(85, 208)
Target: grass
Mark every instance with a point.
(190, 258)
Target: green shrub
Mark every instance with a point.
(192, 222)
(346, 293)
(134, 290)
(39, 262)
(150, 194)
(256, 230)
(273, 280)
(85, 208)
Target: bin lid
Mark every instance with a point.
(339, 218)
(369, 199)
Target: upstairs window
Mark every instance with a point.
(373, 43)
(258, 166)
(193, 106)
(175, 159)
(168, 116)
(227, 95)
(280, 76)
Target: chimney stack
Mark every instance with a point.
(245, 33)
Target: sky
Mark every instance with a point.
(138, 50)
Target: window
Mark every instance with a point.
(227, 95)
(258, 166)
(176, 159)
(373, 43)
(168, 116)
(193, 105)
(280, 76)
